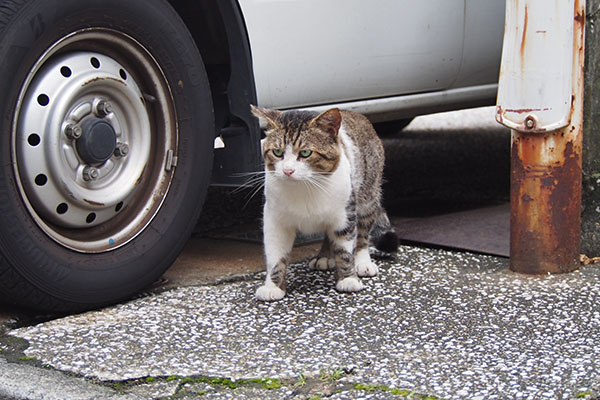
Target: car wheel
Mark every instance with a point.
(106, 148)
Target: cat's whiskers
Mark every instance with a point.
(255, 184)
(317, 183)
(309, 189)
(257, 177)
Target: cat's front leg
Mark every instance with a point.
(278, 242)
(342, 243)
(274, 287)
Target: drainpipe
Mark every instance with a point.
(540, 97)
(590, 229)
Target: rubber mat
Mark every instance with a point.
(482, 230)
(256, 236)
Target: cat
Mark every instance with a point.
(323, 174)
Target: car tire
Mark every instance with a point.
(106, 150)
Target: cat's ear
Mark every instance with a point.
(329, 121)
(271, 116)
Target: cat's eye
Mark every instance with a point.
(305, 153)
(278, 152)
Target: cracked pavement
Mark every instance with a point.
(445, 324)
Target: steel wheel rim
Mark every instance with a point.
(94, 140)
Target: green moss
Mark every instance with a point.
(270, 384)
(266, 383)
(25, 358)
(395, 391)
(583, 395)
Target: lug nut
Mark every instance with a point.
(103, 108)
(121, 149)
(73, 131)
(90, 173)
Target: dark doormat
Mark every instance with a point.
(255, 235)
(483, 230)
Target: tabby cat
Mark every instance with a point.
(323, 174)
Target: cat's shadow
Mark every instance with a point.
(305, 281)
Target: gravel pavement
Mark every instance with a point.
(435, 323)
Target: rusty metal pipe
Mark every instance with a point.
(546, 184)
(545, 201)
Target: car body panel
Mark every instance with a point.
(309, 52)
(483, 35)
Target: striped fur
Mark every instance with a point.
(323, 174)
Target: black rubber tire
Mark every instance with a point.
(39, 273)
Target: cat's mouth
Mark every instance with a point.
(293, 178)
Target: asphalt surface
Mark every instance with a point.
(434, 323)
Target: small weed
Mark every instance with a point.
(25, 358)
(331, 375)
(336, 375)
(301, 381)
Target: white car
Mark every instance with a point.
(112, 109)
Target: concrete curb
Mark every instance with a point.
(19, 381)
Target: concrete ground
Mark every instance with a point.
(433, 324)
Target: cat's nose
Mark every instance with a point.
(288, 171)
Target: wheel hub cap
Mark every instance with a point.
(98, 141)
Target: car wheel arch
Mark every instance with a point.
(218, 28)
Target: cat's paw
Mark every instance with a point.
(364, 265)
(350, 284)
(322, 263)
(269, 293)
(367, 268)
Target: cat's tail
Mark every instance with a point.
(383, 235)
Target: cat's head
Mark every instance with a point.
(300, 145)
